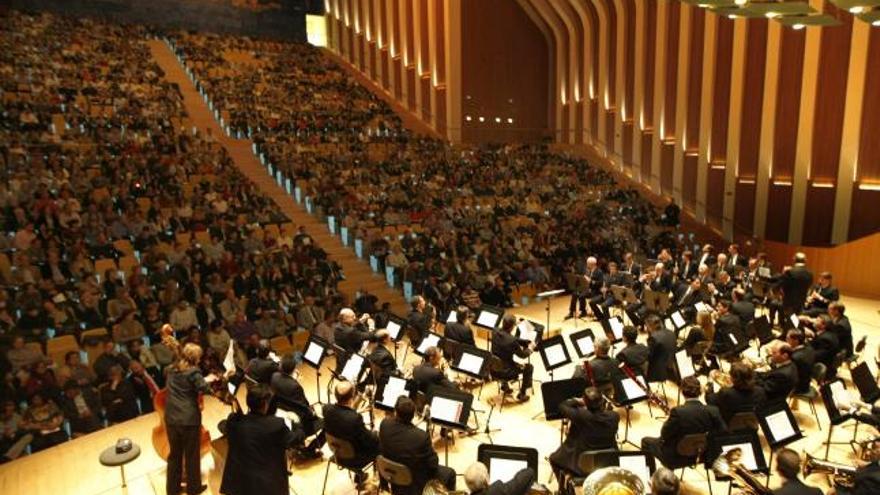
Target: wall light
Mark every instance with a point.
(497, 120)
(509, 120)
(482, 119)
(468, 118)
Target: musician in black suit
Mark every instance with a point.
(661, 349)
(742, 307)
(349, 333)
(866, 480)
(706, 256)
(779, 382)
(400, 441)
(735, 261)
(826, 344)
(602, 370)
(605, 298)
(458, 329)
(729, 335)
(687, 267)
(381, 358)
(476, 477)
(258, 442)
(788, 467)
(821, 295)
(692, 417)
(593, 427)
(803, 357)
(795, 282)
(261, 368)
(428, 375)
(594, 281)
(841, 326)
(630, 266)
(505, 346)
(289, 395)
(742, 396)
(183, 421)
(634, 354)
(418, 321)
(342, 421)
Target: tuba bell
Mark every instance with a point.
(613, 481)
(841, 474)
(728, 464)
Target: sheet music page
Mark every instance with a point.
(555, 354)
(445, 409)
(471, 363)
(678, 319)
(842, 400)
(748, 455)
(631, 389)
(392, 391)
(352, 368)
(504, 470)
(452, 318)
(313, 353)
(703, 307)
(429, 341)
(795, 321)
(668, 324)
(586, 345)
(780, 426)
(616, 327)
(638, 465)
(685, 364)
(527, 331)
(487, 319)
(393, 329)
(274, 357)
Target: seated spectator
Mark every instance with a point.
(117, 397)
(82, 408)
(128, 328)
(14, 438)
(43, 420)
(74, 369)
(21, 356)
(109, 357)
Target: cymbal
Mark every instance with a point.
(550, 293)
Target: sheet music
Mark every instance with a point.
(586, 345)
(685, 364)
(748, 455)
(703, 307)
(430, 341)
(487, 319)
(445, 409)
(632, 389)
(795, 321)
(668, 324)
(504, 470)
(452, 318)
(352, 369)
(638, 465)
(616, 327)
(231, 387)
(841, 398)
(780, 426)
(555, 354)
(313, 353)
(393, 329)
(471, 363)
(527, 331)
(393, 390)
(274, 357)
(283, 415)
(678, 319)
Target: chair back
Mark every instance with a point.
(860, 345)
(393, 472)
(451, 348)
(746, 420)
(692, 445)
(587, 460)
(342, 449)
(819, 372)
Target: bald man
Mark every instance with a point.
(342, 421)
(595, 278)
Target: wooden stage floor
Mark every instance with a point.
(73, 467)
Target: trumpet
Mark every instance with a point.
(841, 474)
(728, 464)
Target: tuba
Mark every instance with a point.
(613, 481)
(841, 474)
(728, 464)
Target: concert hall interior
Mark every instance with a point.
(493, 247)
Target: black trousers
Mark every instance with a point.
(577, 300)
(184, 442)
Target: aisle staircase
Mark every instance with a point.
(358, 274)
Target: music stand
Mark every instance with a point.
(432, 339)
(779, 426)
(554, 393)
(640, 463)
(554, 354)
(684, 367)
(678, 321)
(613, 329)
(313, 355)
(489, 317)
(634, 317)
(656, 301)
(529, 331)
(390, 389)
(626, 394)
(598, 312)
(752, 453)
(583, 343)
(624, 294)
(396, 330)
(451, 316)
(450, 408)
(576, 284)
(865, 382)
(504, 461)
(763, 331)
(353, 368)
(473, 362)
(833, 397)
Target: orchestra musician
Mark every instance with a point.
(821, 295)
(476, 477)
(183, 421)
(428, 374)
(633, 354)
(706, 257)
(728, 330)
(803, 357)
(605, 298)
(719, 267)
(350, 333)
(505, 346)
(458, 330)
(401, 441)
(595, 279)
(826, 344)
(686, 269)
(661, 349)
(866, 480)
(788, 467)
(841, 326)
(593, 427)
(382, 357)
(735, 261)
(600, 371)
(342, 421)
(630, 266)
(780, 380)
(289, 395)
(689, 418)
(688, 295)
(795, 283)
(742, 307)
(418, 321)
(742, 396)
(721, 286)
(261, 367)
(258, 443)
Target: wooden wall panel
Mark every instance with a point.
(830, 93)
(721, 97)
(819, 212)
(778, 203)
(744, 207)
(867, 218)
(714, 196)
(694, 85)
(674, 11)
(689, 181)
(650, 36)
(791, 61)
(869, 150)
(753, 100)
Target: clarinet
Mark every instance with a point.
(651, 396)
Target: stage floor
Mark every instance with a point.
(73, 468)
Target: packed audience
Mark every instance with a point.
(119, 218)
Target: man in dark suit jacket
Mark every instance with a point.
(458, 329)
(692, 417)
(804, 357)
(349, 333)
(477, 479)
(841, 326)
(634, 355)
(602, 370)
(729, 336)
(290, 396)
(795, 283)
(779, 382)
(826, 344)
(258, 442)
(866, 481)
(788, 467)
(400, 441)
(661, 349)
(592, 428)
(427, 375)
(417, 321)
(821, 295)
(261, 368)
(381, 358)
(341, 421)
(504, 346)
(742, 307)
(743, 396)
